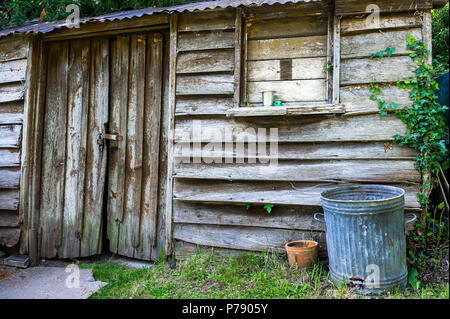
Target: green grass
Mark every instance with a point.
(207, 275)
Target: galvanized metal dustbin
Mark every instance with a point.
(365, 233)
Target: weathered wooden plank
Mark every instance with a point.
(287, 110)
(336, 80)
(426, 33)
(9, 157)
(130, 227)
(205, 84)
(246, 238)
(96, 161)
(239, 58)
(11, 118)
(91, 30)
(356, 98)
(150, 149)
(363, 45)
(384, 21)
(287, 11)
(353, 7)
(11, 92)
(9, 200)
(299, 151)
(300, 218)
(389, 70)
(287, 48)
(377, 171)
(33, 109)
(205, 40)
(301, 69)
(183, 250)
(54, 150)
(13, 71)
(205, 61)
(283, 28)
(297, 129)
(206, 105)
(78, 99)
(118, 124)
(171, 103)
(264, 192)
(9, 218)
(214, 20)
(10, 136)
(9, 237)
(9, 178)
(289, 91)
(13, 49)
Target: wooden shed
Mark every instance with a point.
(92, 120)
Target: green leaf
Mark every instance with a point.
(268, 207)
(247, 206)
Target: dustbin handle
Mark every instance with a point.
(414, 217)
(317, 218)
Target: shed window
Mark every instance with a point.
(289, 53)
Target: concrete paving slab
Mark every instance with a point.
(47, 283)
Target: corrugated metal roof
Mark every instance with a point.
(47, 27)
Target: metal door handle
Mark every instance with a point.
(108, 136)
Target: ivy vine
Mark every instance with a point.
(424, 119)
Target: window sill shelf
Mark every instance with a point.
(287, 110)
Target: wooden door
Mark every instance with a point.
(73, 163)
(135, 114)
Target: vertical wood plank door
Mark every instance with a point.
(135, 114)
(73, 162)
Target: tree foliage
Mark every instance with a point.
(440, 39)
(17, 12)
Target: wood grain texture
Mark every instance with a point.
(120, 56)
(377, 171)
(376, 70)
(13, 48)
(289, 91)
(129, 229)
(54, 150)
(214, 20)
(205, 40)
(151, 147)
(9, 237)
(9, 218)
(300, 218)
(306, 109)
(10, 136)
(245, 238)
(363, 45)
(77, 110)
(205, 61)
(287, 48)
(385, 21)
(353, 7)
(356, 98)
(9, 157)
(298, 129)
(91, 242)
(206, 105)
(13, 71)
(282, 28)
(11, 92)
(302, 69)
(259, 193)
(9, 200)
(11, 118)
(300, 151)
(205, 84)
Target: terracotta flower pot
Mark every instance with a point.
(302, 253)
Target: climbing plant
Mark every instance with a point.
(424, 119)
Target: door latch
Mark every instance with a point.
(105, 136)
